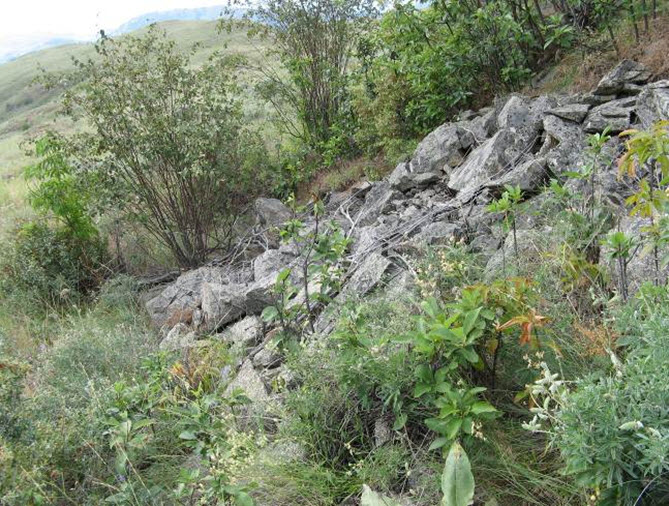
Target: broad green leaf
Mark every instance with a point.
(438, 443)
(187, 435)
(470, 355)
(269, 314)
(453, 428)
(470, 320)
(243, 499)
(457, 481)
(424, 373)
(421, 389)
(436, 425)
(482, 407)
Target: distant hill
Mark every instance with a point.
(29, 45)
(196, 14)
(26, 109)
(21, 47)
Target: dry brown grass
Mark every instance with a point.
(581, 69)
(343, 175)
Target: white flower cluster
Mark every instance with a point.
(549, 393)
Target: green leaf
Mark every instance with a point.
(283, 275)
(457, 481)
(188, 435)
(371, 498)
(243, 499)
(470, 320)
(436, 425)
(470, 355)
(438, 443)
(142, 423)
(424, 373)
(453, 427)
(421, 389)
(400, 421)
(269, 314)
(482, 407)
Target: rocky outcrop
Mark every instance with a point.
(439, 195)
(271, 212)
(617, 115)
(438, 154)
(248, 381)
(653, 103)
(180, 301)
(245, 333)
(626, 78)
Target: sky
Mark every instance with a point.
(24, 24)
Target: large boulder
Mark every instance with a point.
(529, 176)
(438, 153)
(271, 212)
(377, 201)
(488, 161)
(626, 78)
(515, 113)
(245, 333)
(523, 116)
(571, 112)
(249, 381)
(179, 338)
(437, 232)
(653, 103)
(563, 145)
(181, 299)
(273, 261)
(617, 115)
(222, 304)
(367, 275)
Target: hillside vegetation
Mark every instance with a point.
(27, 109)
(340, 254)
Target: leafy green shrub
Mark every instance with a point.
(612, 428)
(52, 264)
(314, 41)
(60, 190)
(169, 148)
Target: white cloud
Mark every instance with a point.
(26, 22)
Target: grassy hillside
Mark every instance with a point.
(27, 109)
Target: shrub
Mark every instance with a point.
(58, 189)
(52, 264)
(169, 147)
(612, 427)
(314, 41)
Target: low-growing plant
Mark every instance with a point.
(52, 264)
(320, 269)
(457, 483)
(508, 206)
(620, 248)
(611, 428)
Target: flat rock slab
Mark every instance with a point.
(249, 380)
(571, 112)
(625, 78)
(367, 275)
